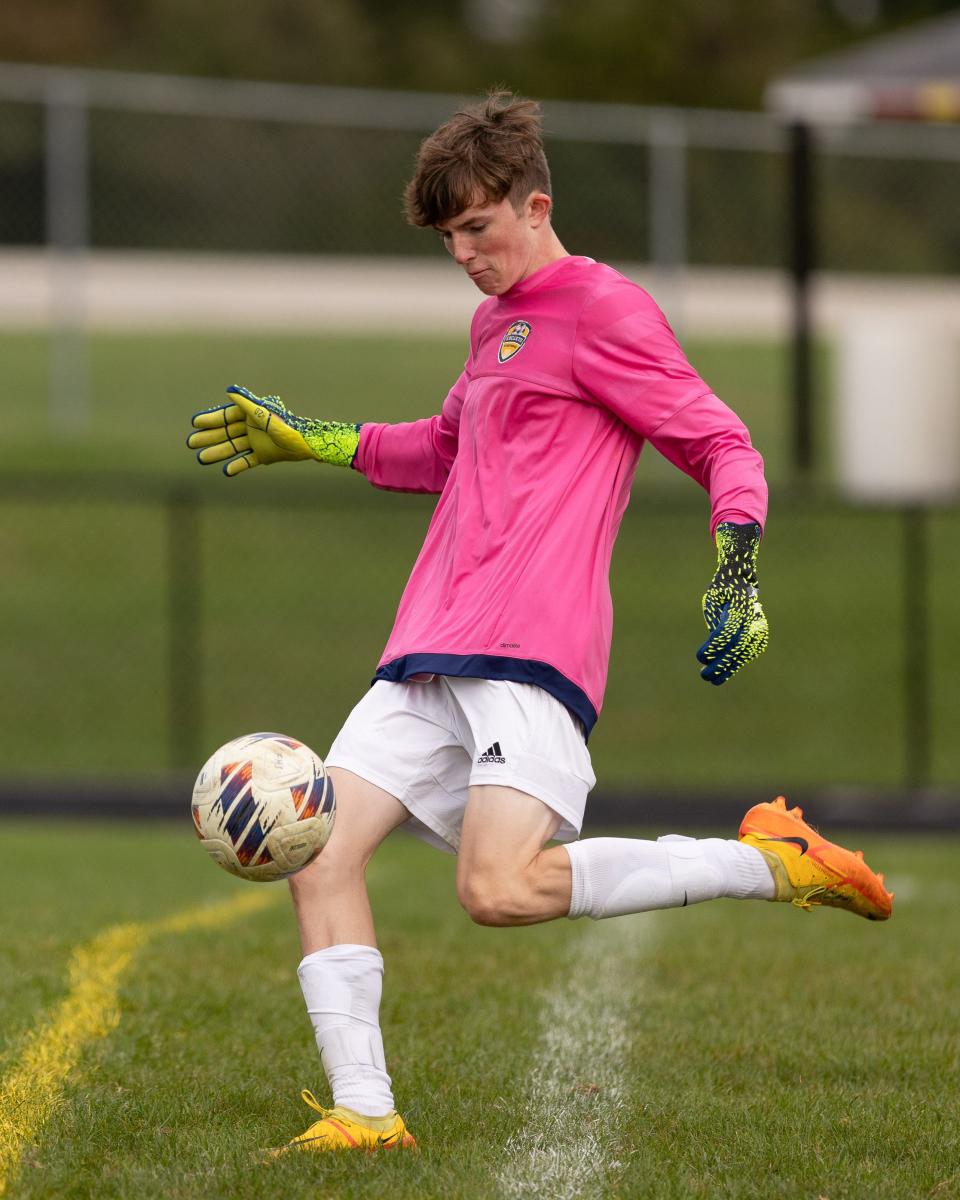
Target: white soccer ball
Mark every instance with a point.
(263, 806)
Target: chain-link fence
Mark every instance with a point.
(138, 638)
(151, 161)
(145, 623)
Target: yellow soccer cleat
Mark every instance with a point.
(342, 1129)
(807, 869)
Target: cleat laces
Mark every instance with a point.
(309, 1098)
(811, 898)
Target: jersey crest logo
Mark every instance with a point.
(513, 340)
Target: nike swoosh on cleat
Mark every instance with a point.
(798, 841)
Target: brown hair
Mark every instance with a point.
(488, 152)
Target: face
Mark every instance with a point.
(496, 245)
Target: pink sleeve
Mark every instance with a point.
(413, 456)
(416, 456)
(627, 358)
(710, 443)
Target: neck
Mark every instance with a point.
(548, 250)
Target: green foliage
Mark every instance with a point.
(721, 54)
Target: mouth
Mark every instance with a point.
(477, 274)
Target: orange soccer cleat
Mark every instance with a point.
(342, 1129)
(807, 869)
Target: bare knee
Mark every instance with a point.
(329, 873)
(494, 900)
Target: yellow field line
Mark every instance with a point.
(31, 1090)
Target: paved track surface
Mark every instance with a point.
(132, 290)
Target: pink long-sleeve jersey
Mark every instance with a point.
(533, 454)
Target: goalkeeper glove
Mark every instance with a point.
(731, 609)
(252, 430)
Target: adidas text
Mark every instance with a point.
(492, 755)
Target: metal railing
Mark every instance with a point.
(94, 159)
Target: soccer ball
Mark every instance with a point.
(263, 806)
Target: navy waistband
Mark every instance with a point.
(495, 666)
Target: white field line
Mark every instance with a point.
(32, 1088)
(573, 1099)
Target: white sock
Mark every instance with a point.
(614, 876)
(342, 986)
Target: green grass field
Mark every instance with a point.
(302, 567)
(145, 387)
(727, 1050)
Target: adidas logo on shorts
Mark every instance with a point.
(493, 755)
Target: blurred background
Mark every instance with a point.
(195, 195)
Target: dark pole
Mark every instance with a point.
(802, 262)
(184, 697)
(916, 665)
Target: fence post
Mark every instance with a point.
(67, 198)
(667, 134)
(802, 258)
(916, 650)
(185, 640)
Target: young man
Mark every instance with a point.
(474, 733)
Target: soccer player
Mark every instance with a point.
(474, 733)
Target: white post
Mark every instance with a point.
(668, 209)
(67, 233)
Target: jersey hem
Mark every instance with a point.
(495, 666)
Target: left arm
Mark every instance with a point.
(628, 359)
(710, 443)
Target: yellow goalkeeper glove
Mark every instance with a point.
(731, 605)
(253, 430)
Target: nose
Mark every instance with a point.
(461, 250)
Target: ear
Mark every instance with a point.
(538, 208)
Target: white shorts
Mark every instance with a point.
(428, 742)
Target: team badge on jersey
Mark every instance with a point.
(513, 340)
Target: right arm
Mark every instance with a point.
(410, 456)
(413, 456)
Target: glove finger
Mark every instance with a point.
(243, 462)
(715, 615)
(721, 636)
(218, 416)
(223, 450)
(257, 414)
(212, 437)
(715, 655)
(236, 390)
(750, 644)
(710, 675)
(259, 410)
(714, 610)
(720, 670)
(759, 639)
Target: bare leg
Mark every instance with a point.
(506, 877)
(330, 896)
(504, 874)
(341, 972)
